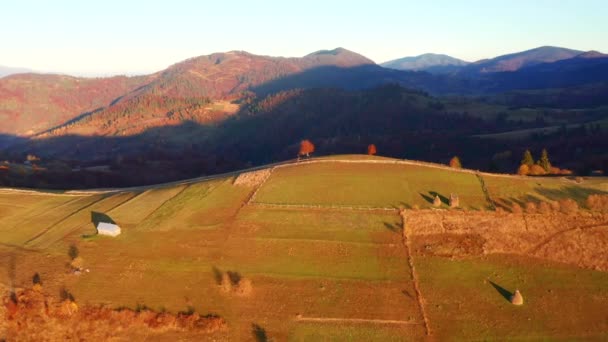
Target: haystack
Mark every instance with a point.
(437, 201)
(517, 298)
(454, 201)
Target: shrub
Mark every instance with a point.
(530, 207)
(516, 208)
(568, 206)
(597, 203)
(544, 208)
(537, 170)
(523, 170)
(73, 252)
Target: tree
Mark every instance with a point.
(371, 149)
(544, 160)
(306, 148)
(527, 159)
(455, 163)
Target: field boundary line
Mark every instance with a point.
(162, 204)
(414, 274)
(259, 186)
(326, 207)
(44, 231)
(484, 188)
(355, 320)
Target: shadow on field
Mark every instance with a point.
(259, 333)
(393, 227)
(217, 275)
(502, 291)
(431, 197)
(97, 217)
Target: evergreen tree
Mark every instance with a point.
(544, 160)
(528, 159)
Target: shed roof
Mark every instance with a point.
(106, 228)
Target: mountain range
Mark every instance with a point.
(234, 109)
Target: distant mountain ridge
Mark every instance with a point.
(431, 62)
(5, 70)
(201, 88)
(519, 60)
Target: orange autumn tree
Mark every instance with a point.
(455, 163)
(306, 148)
(371, 149)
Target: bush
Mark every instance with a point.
(544, 208)
(537, 170)
(530, 207)
(516, 209)
(523, 170)
(597, 203)
(568, 206)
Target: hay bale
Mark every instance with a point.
(436, 201)
(454, 201)
(517, 298)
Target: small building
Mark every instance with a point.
(110, 229)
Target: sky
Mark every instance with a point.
(91, 37)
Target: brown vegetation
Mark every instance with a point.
(252, 179)
(568, 206)
(598, 203)
(29, 314)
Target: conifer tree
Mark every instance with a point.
(544, 160)
(527, 159)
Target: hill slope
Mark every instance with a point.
(319, 250)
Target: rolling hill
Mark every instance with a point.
(338, 248)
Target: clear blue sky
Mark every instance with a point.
(122, 36)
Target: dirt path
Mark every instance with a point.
(414, 274)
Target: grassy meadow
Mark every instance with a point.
(322, 273)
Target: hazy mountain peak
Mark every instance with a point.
(5, 71)
(431, 62)
(338, 56)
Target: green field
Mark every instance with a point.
(369, 185)
(319, 269)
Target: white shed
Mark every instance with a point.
(110, 229)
